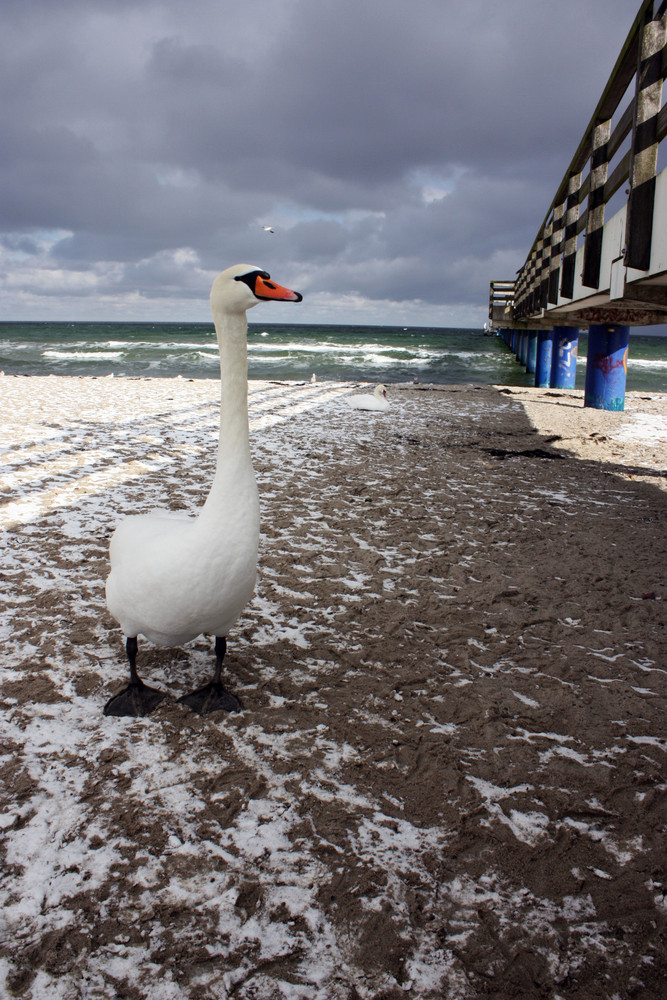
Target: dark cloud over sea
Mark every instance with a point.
(404, 154)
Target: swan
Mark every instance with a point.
(174, 576)
(366, 401)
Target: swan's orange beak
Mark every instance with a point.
(266, 289)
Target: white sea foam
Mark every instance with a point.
(81, 355)
(657, 363)
(387, 351)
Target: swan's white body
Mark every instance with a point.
(365, 401)
(172, 576)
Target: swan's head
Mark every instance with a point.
(242, 286)
(380, 392)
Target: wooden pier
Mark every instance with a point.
(599, 259)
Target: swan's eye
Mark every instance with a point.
(251, 277)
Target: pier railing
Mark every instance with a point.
(587, 266)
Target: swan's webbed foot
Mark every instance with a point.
(214, 697)
(137, 698)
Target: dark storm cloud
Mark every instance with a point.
(401, 151)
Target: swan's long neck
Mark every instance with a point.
(234, 465)
(234, 446)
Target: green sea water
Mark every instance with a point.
(296, 352)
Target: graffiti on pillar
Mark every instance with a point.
(567, 354)
(608, 363)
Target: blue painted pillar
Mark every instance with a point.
(606, 367)
(564, 357)
(531, 356)
(545, 345)
(523, 348)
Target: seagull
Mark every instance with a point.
(267, 229)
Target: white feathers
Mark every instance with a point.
(174, 577)
(365, 401)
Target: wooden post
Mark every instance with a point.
(644, 156)
(598, 178)
(534, 299)
(570, 238)
(546, 264)
(554, 262)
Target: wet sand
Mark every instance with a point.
(448, 779)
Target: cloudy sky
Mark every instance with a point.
(404, 151)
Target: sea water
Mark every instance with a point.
(296, 352)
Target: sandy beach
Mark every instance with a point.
(448, 779)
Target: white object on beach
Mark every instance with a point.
(365, 401)
(174, 576)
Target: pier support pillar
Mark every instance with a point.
(523, 348)
(531, 356)
(545, 344)
(606, 367)
(564, 357)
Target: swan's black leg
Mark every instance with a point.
(137, 698)
(213, 697)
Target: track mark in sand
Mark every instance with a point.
(268, 405)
